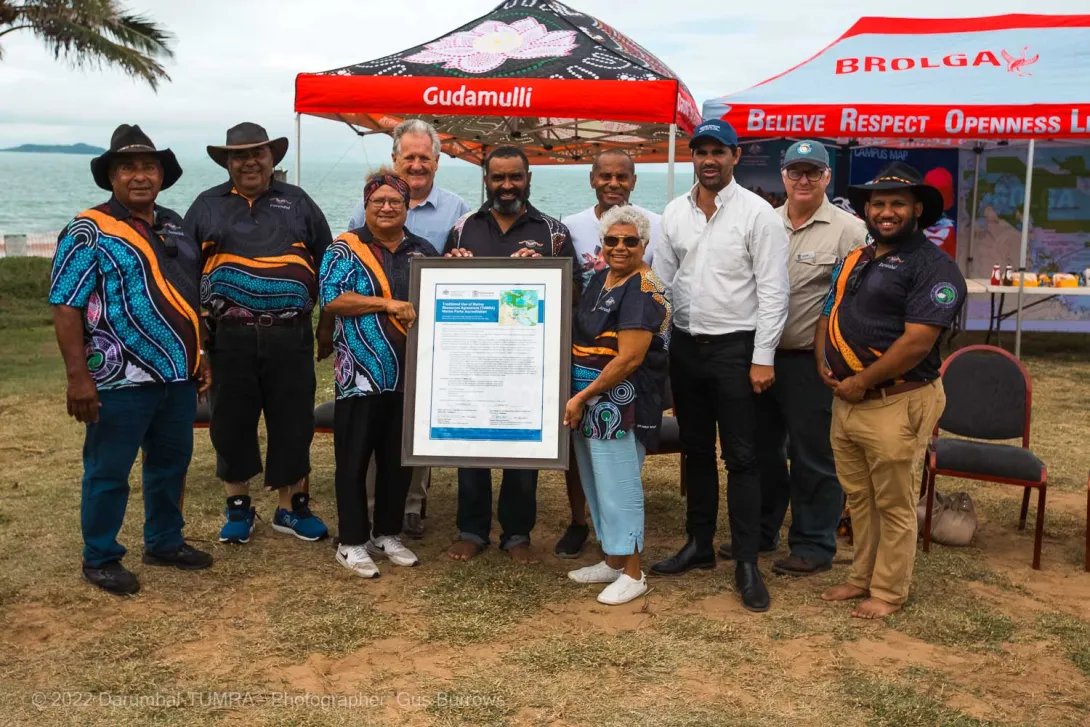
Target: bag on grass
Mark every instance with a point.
(953, 518)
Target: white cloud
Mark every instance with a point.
(237, 59)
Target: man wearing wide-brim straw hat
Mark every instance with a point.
(125, 299)
(262, 243)
(877, 345)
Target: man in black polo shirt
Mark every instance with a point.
(506, 225)
(262, 243)
(877, 345)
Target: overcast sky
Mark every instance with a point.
(237, 59)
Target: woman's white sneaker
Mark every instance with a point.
(623, 590)
(356, 559)
(597, 573)
(391, 547)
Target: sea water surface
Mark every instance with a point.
(41, 193)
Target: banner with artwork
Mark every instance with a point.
(758, 169)
(1059, 233)
(940, 169)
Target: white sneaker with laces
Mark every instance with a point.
(391, 547)
(356, 559)
(623, 590)
(598, 573)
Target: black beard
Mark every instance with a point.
(898, 238)
(509, 209)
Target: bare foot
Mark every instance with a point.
(844, 592)
(521, 554)
(464, 550)
(875, 608)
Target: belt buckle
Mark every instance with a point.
(265, 320)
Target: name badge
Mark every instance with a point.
(804, 257)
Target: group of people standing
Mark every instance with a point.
(790, 332)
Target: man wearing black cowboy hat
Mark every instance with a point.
(125, 299)
(262, 243)
(877, 347)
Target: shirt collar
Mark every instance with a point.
(432, 198)
(120, 212)
(824, 213)
(722, 196)
(531, 212)
(408, 241)
(228, 188)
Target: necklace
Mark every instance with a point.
(609, 288)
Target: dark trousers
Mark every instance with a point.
(157, 418)
(794, 419)
(709, 376)
(517, 509)
(266, 369)
(362, 426)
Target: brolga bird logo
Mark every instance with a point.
(1018, 64)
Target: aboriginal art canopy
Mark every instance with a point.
(909, 81)
(535, 73)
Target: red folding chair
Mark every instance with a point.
(988, 397)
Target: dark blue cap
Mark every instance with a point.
(716, 129)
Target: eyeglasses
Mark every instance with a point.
(813, 175)
(395, 204)
(626, 240)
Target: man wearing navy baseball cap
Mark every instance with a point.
(794, 412)
(723, 259)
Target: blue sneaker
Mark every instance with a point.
(240, 521)
(299, 521)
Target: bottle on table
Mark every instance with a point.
(996, 277)
(1008, 276)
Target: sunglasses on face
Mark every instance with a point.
(626, 240)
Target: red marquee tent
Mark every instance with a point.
(536, 73)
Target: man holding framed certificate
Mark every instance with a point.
(513, 325)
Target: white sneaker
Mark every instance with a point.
(356, 559)
(597, 573)
(623, 590)
(391, 547)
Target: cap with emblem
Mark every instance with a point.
(716, 129)
(809, 152)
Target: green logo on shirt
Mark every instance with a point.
(944, 294)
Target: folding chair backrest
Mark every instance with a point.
(987, 394)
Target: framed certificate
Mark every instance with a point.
(488, 363)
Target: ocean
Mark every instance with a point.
(41, 193)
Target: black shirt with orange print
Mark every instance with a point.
(259, 256)
(872, 298)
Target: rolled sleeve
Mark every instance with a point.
(769, 252)
(75, 267)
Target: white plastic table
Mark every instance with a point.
(996, 316)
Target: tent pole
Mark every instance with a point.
(1025, 244)
(298, 149)
(670, 153)
(978, 150)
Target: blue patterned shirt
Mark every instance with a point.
(369, 350)
(138, 288)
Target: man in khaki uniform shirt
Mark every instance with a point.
(793, 417)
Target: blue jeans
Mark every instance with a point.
(610, 472)
(157, 418)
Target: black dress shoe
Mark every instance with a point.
(184, 557)
(751, 587)
(692, 555)
(726, 554)
(113, 578)
(413, 526)
(572, 541)
(796, 565)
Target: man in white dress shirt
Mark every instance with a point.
(723, 259)
(612, 177)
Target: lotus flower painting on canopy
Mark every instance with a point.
(487, 46)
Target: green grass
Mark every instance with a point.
(893, 704)
(1073, 634)
(24, 293)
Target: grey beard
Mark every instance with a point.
(509, 209)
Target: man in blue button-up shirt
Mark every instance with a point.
(432, 213)
(432, 210)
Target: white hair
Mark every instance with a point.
(416, 126)
(625, 215)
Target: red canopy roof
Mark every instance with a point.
(538, 74)
(1001, 77)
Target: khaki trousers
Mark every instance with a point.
(878, 445)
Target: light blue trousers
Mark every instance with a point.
(610, 472)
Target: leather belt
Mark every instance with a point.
(261, 321)
(894, 389)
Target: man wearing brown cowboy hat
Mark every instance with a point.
(877, 346)
(262, 243)
(125, 299)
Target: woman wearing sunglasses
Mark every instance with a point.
(619, 365)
